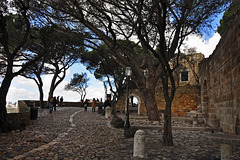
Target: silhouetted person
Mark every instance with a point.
(54, 103)
(61, 101)
(93, 105)
(85, 105)
(107, 103)
(50, 104)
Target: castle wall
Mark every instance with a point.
(186, 99)
(220, 81)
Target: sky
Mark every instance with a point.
(26, 89)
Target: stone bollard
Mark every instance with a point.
(162, 115)
(226, 152)
(108, 112)
(195, 120)
(139, 144)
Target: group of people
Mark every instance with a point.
(94, 104)
(53, 102)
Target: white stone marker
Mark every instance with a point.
(226, 152)
(139, 144)
(107, 112)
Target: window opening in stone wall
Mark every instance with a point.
(184, 76)
(134, 105)
(134, 101)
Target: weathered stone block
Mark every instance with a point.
(117, 122)
(16, 125)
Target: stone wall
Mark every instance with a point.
(120, 106)
(36, 103)
(186, 99)
(220, 81)
(22, 116)
(191, 63)
(187, 96)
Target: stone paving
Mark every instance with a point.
(71, 133)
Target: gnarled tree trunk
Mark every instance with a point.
(151, 106)
(3, 111)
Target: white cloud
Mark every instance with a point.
(26, 89)
(206, 47)
(16, 94)
(95, 92)
(25, 82)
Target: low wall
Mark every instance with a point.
(36, 103)
(22, 116)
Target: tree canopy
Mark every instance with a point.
(14, 60)
(79, 84)
(228, 16)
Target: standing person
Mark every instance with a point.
(93, 105)
(54, 103)
(50, 104)
(61, 101)
(57, 100)
(107, 103)
(85, 104)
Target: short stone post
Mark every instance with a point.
(107, 112)
(195, 120)
(226, 152)
(139, 144)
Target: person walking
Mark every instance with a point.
(50, 104)
(93, 105)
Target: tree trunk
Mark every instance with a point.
(151, 105)
(56, 82)
(41, 96)
(52, 87)
(3, 111)
(167, 132)
(168, 95)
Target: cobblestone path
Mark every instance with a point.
(72, 134)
